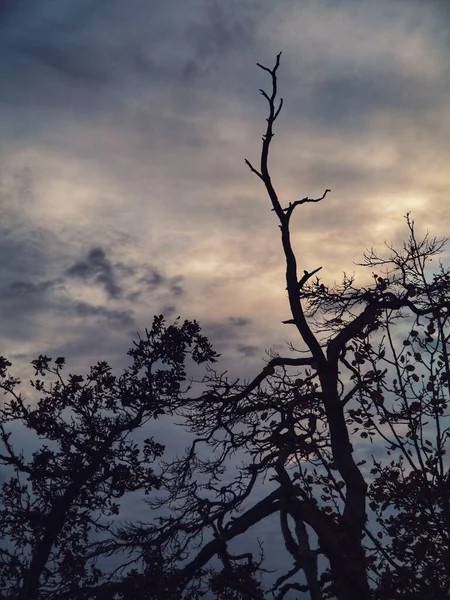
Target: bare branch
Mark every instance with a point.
(277, 64)
(307, 275)
(237, 526)
(290, 209)
(277, 112)
(252, 169)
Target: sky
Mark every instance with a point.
(124, 126)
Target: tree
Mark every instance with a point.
(301, 427)
(53, 503)
(369, 375)
(410, 493)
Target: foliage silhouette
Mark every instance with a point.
(54, 502)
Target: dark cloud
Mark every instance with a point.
(118, 317)
(153, 278)
(248, 350)
(53, 62)
(239, 321)
(74, 17)
(28, 295)
(230, 337)
(347, 99)
(25, 286)
(175, 286)
(222, 28)
(220, 333)
(336, 172)
(27, 304)
(24, 253)
(168, 311)
(97, 268)
(28, 288)
(74, 62)
(86, 57)
(28, 20)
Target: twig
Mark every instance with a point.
(290, 209)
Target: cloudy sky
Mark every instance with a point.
(123, 190)
(124, 127)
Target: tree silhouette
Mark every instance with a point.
(54, 502)
(371, 368)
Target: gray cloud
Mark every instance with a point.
(28, 288)
(220, 29)
(168, 311)
(124, 318)
(239, 321)
(74, 63)
(96, 267)
(175, 286)
(346, 100)
(248, 350)
(235, 340)
(29, 297)
(154, 279)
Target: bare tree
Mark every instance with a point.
(295, 426)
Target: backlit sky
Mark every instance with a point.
(124, 125)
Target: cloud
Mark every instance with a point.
(248, 350)
(67, 62)
(168, 311)
(348, 100)
(150, 161)
(51, 301)
(239, 321)
(154, 279)
(28, 288)
(175, 286)
(220, 30)
(122, 183)
(124, 318)
(97, 268)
